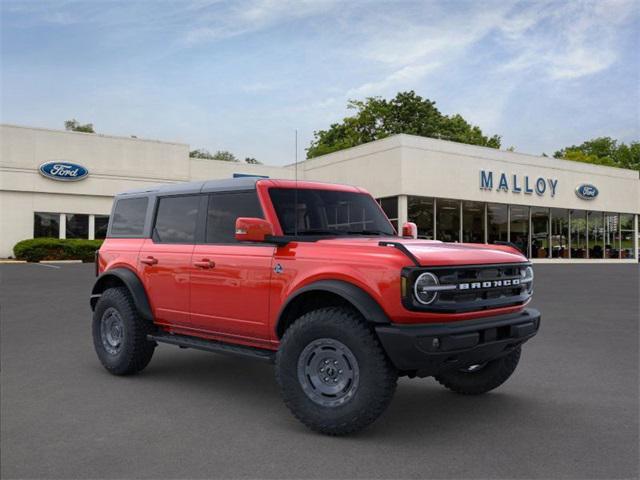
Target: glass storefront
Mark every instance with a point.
(420, 211)
(100, 226)
(519, 227)
(559, 233)
(595, 234)
(539, 232)
(77, 226)
(390, 207)
(46, 225)
(448, 220)
(497, 222)
(473, 222)
(578, 234)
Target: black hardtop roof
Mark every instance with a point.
(224, 185)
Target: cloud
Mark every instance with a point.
(400, 79)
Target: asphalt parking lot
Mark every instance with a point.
(570, 411)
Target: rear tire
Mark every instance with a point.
(120, 333)
(482, 379)
(333, 373)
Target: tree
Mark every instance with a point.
(604, 151)
(252, 161)
(75, 126)
(222, 155)
(377, 118)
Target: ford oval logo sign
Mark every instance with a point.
(586, 191)
(63, 171)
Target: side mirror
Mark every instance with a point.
(410, 230)
(252, 229)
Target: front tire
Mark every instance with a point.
(480, 379)
(333, 373)
(120, 333)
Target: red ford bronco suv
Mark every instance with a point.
(312, 277)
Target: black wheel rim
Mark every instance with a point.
(473, 368)
(111, 331)
(328, 372)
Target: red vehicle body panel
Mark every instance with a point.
(239, 299)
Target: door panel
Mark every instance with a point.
(230, 290)
(166, 278)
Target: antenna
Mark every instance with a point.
(295, 191)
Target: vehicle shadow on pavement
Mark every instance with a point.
(420, 407)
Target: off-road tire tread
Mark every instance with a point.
(494, 374)
(139, 355)
(343, 318)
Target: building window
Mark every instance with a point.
(448, 220)
(473, 222)
(578, 234)
(611, 235)
(77, 226)
(497, 222)
(539, 232)
(46, 225)
(101, 222)
(390, 207)
(626, 236)
(420, 211)
(519, 228)
(559, 233)
(596, 234)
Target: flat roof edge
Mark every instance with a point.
(118, 137)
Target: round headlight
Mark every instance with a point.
(527, 279)
(424, 290)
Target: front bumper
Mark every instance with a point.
(426, 350)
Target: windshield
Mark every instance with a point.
(329, 212)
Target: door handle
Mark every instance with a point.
(205, 263)
(149, 260)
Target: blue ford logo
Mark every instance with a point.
(63, 171)
(586, 191)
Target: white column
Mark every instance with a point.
(92, 225)
(635, 237)
(63, 225)
(403, 211)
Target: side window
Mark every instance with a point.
(128, 217)
(224, 209)
(176, 219)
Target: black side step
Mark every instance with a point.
(185, 341)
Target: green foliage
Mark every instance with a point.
(75, 126)
(222, 155)
(377, 118)
(604, 151)
(252, 161)
(36, 249)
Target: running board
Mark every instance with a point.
(215, 346)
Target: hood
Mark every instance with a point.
(433, 253)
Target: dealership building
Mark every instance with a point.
(61, 184)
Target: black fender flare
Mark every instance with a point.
(133, 284)
(370, 310)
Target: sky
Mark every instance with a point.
(244, 75)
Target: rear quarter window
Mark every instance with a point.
(128, 217)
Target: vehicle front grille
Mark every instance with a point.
(476, 287)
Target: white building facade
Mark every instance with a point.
(61, 184)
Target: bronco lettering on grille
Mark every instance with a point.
(510, 282)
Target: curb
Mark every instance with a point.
(60, 261)
(8, 261)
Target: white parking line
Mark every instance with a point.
(47, 265)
